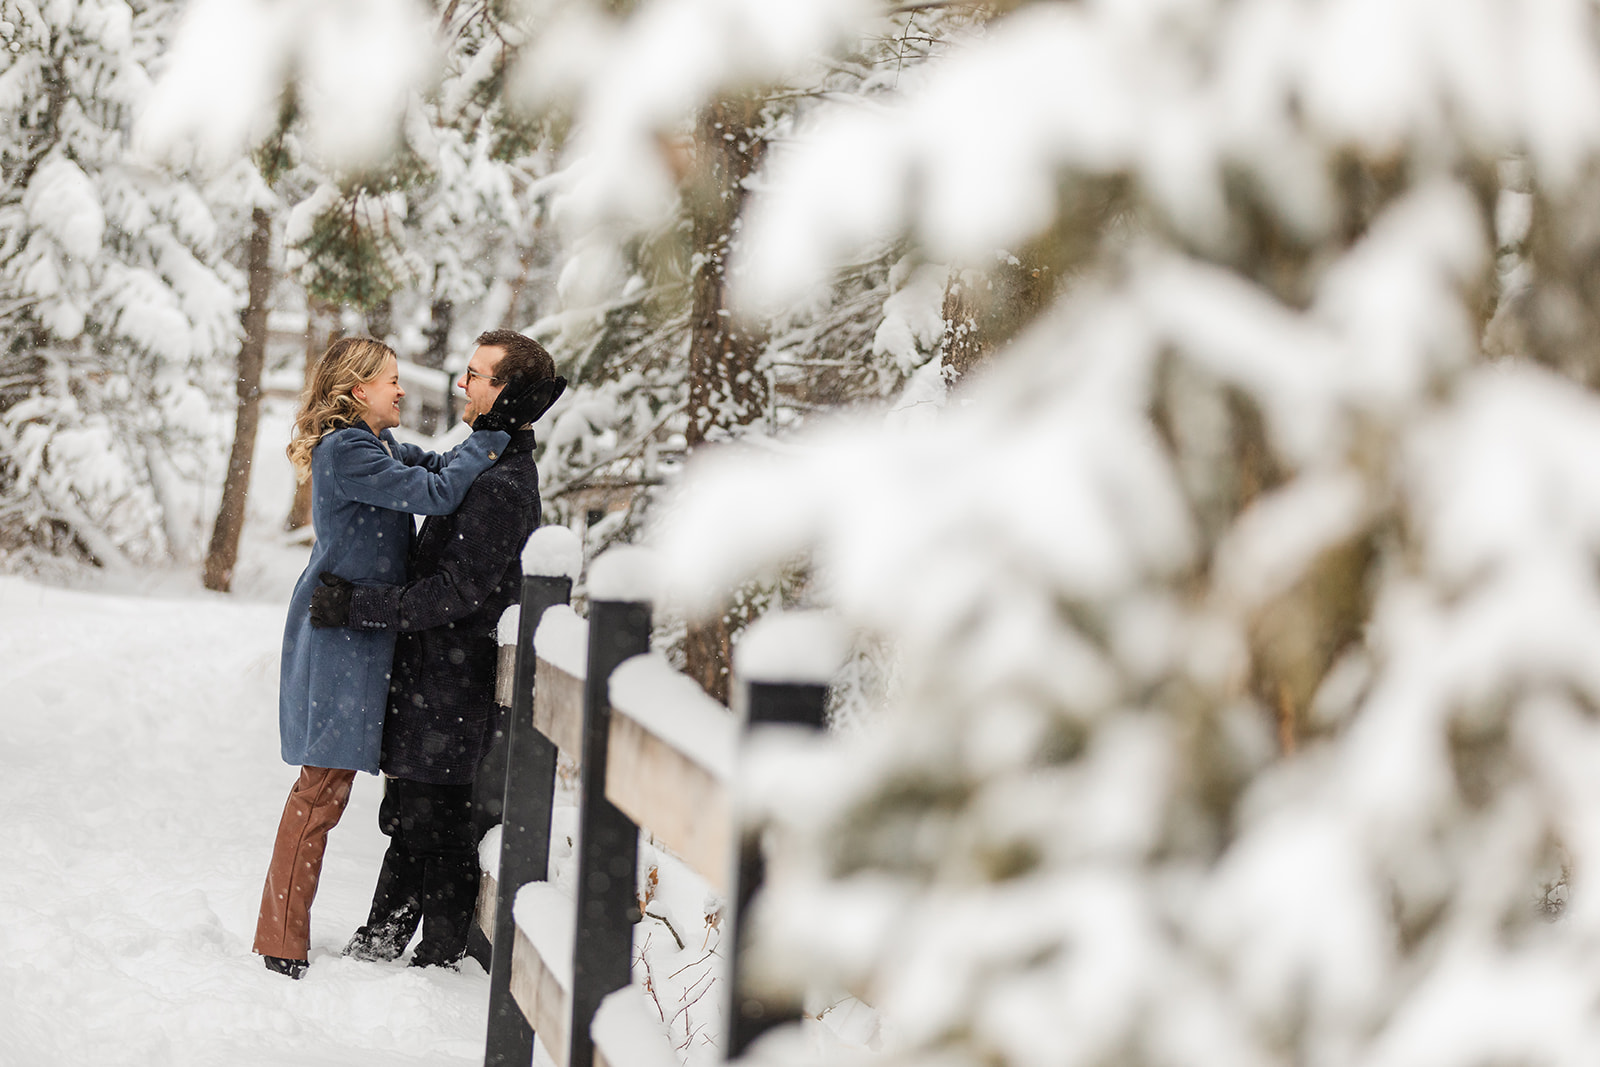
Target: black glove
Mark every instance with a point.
(330, 601)
(522, 401)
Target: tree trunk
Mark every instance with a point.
(513, 319)
(380, 320)
(984, 310)
(223, 552)
(708, 654)
(441, 319)
(442, 315)
(322, 329)
(963, 348)
(726, 387)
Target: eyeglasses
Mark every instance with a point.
(488, 378)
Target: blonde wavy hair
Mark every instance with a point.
(328, 402)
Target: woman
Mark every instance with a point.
(334, 682)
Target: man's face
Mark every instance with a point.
(478, 381)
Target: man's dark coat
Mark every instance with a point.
(465, 571)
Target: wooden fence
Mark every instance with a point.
(653, 751)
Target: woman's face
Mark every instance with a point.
(381, 397)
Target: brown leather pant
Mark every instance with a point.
(283, 928)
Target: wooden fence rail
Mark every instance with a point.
(652, 751)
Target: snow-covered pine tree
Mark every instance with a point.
(476, 219)
(1251, 481)
(115, 303)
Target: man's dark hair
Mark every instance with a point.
(523, 355)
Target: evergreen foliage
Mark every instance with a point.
(115, 301)
(1243, 611)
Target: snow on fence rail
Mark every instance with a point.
(653, 752)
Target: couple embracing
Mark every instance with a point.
(389, 650)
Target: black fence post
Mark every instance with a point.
(608, 846)
(751, 1015)
(529, 792)
(783, 664)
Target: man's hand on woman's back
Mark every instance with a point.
(330, 601)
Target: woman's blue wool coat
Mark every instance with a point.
(333, 683)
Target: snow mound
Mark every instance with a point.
(799, 647)
(552, 552)
(624, 572)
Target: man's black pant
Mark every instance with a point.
(430, 871)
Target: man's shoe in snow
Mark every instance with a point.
(423, 957)
(292, 968)
(375, 945)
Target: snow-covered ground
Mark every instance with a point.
(140, 786)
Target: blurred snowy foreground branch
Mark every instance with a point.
(1251, 485)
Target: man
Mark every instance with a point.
(442, 714)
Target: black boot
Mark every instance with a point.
(448, 906)
(433, 956)
(293, 968)
(383, 940)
